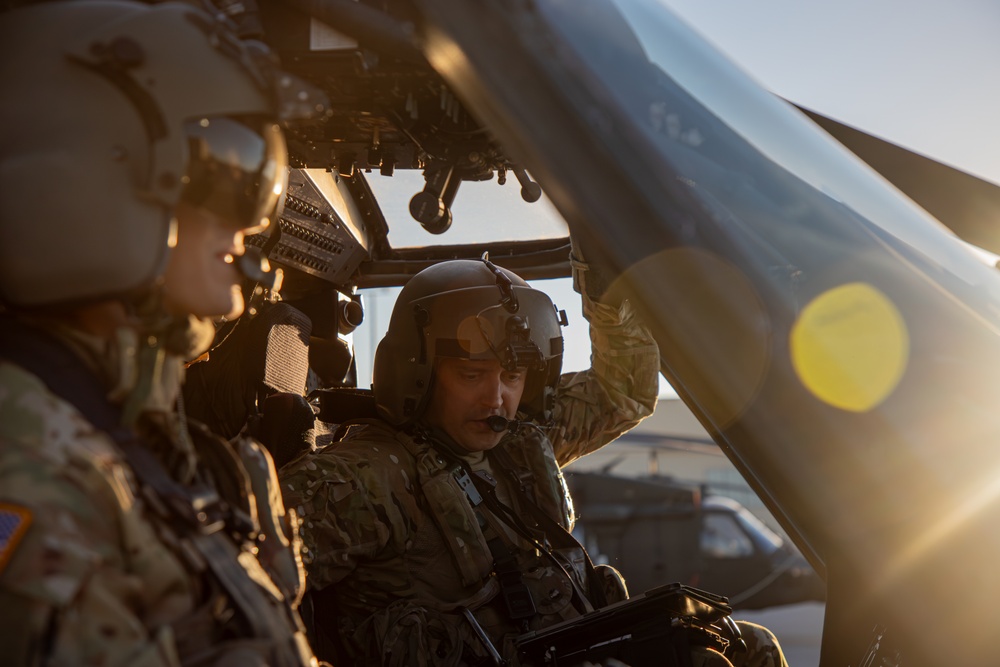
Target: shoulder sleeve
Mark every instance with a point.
(595, 406)
(345, 508)
(69, 547)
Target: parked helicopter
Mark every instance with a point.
(656, 530)
(837, 342)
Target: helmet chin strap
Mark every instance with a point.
(437, 435)
(158, 339)
(149, 360)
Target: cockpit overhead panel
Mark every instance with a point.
(320, 231)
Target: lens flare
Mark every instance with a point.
(850, 347)
(471, 335)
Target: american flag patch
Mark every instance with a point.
(14, 522)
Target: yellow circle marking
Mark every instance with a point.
(850, 347)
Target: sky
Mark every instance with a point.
(917, 73)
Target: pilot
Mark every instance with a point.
(139, 144)
(439, 532)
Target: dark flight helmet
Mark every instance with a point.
(466, 309)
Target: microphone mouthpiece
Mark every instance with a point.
(253, 264)
(498, 424)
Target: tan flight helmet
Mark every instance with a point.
(470, 310)
(112, 113)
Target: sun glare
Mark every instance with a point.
(850, 347)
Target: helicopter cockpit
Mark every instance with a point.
(837, 341)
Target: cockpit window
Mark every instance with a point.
(766, 539)
(762, 170)
(483, 212)
(743, 520)
(721, 537)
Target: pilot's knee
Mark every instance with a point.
(763, 649)
(702, 656)
(612, 583)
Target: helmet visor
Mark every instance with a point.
(237, 169)
(470, 324)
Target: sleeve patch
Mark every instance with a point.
(14, 522)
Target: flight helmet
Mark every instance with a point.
(466, 309)
(113, 113)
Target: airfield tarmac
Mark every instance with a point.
(799, 628)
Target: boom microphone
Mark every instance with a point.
(500, 424)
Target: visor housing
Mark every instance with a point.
(237, 169)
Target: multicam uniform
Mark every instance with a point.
(385, 520)
(97, 565)
(393, 535)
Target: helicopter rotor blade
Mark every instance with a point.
(966, 204)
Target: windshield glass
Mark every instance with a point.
(832, 334)
(839, 344)
(767, 540)
(483, 212)
(765, 170)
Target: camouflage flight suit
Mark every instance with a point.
(394, 540)
(94, 567)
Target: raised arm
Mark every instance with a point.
(595, 406)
